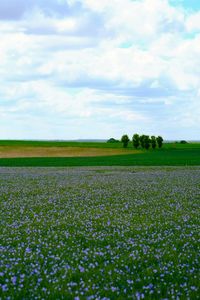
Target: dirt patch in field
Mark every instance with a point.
(9, 151)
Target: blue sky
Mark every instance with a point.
(97, 69)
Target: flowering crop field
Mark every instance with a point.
(99, 233)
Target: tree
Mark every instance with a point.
(153, 141)
(142, 137)
(112, 140)
(125, 140)
(146, 142)
(159, 140)
(183, 142)
(136, 140)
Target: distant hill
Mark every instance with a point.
(89, 140)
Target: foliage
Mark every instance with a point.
(183, 142)
(142, 141)
(136, 140)
(112, 140)
(147, 142)
(153, 142)
(159, 140)
(125, 140)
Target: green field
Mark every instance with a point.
(171, 154)
(24, 143)
(27, 143)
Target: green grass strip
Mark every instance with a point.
(163, 157)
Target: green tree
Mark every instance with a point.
(147, 142)
(153, 141)
(112, 140)
(125, 140)
(159, 140)
(142, 137)
(183, 142)
(136, 140)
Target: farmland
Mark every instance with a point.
(21, 151)
(52, 154)
(99, 233)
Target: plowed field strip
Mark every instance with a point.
(12, 152)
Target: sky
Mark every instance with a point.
(91, 69)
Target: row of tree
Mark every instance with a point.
(145, 141)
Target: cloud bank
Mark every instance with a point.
(96, 69)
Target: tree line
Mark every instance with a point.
(143, 141)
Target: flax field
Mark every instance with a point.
(100, 233)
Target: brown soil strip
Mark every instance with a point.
(9, 151)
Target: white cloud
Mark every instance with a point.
(193, 22)
(125, 61)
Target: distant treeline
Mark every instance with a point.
(143, 141)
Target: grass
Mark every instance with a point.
(163, 157)
(27, 143)
(99, 233)
(22, 143)
(59, 154)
